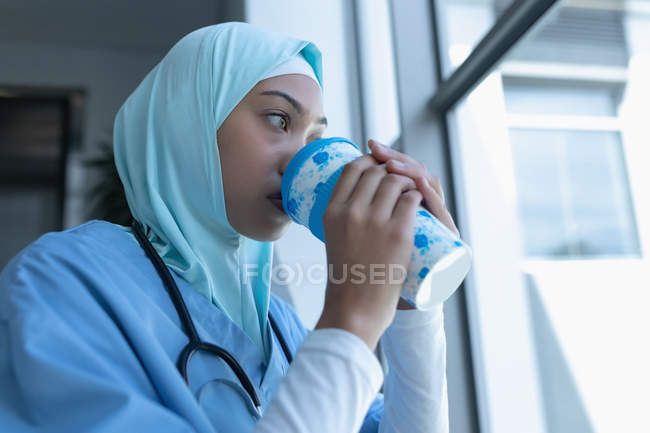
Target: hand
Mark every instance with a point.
(369, 222)
(426, 183)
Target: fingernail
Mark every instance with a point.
(397, 164)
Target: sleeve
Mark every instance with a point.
(329, 387)
(64, 364)
(415, 389)
(297, 334)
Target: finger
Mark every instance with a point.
(389, 191)
(434, 204)
(415, 171)
(406, 206)
(365, 189)
(411, 167)
(384, 153)
(350, 177)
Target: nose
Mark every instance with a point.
(285, 163)
(290, 152)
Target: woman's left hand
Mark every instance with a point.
(426, 183)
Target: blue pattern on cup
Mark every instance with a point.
(318, 188)
(420, 241)
(320, 158)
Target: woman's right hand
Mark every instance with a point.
(369, 228)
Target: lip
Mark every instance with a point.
(276, 199)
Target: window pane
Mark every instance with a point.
(539, 190)
(572, 193)
(601, 205)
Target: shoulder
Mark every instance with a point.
(77, 248)
(97, 236)
(100, 236)
(60, 265)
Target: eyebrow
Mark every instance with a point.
(294, 103)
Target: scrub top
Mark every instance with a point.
(89, 340)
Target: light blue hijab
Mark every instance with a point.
(168, 160)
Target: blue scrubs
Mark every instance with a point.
(89, 340)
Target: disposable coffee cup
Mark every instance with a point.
(439, 260)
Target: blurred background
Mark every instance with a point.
(533, 113)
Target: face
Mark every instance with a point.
(275, 120)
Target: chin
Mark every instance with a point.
(270, 234)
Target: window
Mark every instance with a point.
(546, 107)
(570, 173)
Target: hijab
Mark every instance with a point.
(167, 157)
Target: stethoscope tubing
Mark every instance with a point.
(196, 344)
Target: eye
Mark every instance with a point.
(279, 120)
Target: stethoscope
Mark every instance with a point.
(196, 344)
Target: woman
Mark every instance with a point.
(90, 334)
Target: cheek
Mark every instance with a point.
(245, 174)
(242, 147)
(235, 154)
(249, 155)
